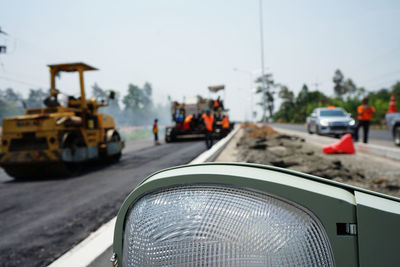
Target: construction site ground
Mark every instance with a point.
(264, 145)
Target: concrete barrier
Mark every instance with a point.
(215, 150)
(96, 249)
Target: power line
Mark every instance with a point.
(383, 75)
(21, 82)
(383, 84)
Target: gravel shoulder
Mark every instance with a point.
(264, 145)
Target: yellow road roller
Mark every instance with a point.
(59, 139)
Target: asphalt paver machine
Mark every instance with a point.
(187, 117)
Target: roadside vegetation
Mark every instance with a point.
(295, 108)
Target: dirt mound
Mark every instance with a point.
(259, 131)
(264, 145)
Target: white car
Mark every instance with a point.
(330, 121)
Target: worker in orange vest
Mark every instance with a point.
(155, 132)
(218, 104)
(208, 120)
(225, 125)
(365, 112)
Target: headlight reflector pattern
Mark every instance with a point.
(222, 226)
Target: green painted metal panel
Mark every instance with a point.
(378, 230)
(330, 203)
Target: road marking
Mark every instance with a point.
(89, 249)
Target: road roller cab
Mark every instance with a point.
(56, 140)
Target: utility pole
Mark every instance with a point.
(316, 85)
(3, 48)
(262, 65)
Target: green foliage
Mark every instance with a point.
(11, 104)
(306, 101)
(35, 98)
(269, 84)
(346, 95)
(8, 109)
(338, 80)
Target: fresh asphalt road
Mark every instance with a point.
(40, 220)
(375, 136)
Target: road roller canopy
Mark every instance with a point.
(70, 67)
(216, 88)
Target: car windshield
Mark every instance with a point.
(332, 113)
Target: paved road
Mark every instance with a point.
(40, 220)
(381, 137)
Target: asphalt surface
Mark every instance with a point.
(381, 137)
(41, 220)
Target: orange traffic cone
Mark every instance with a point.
(392, 105)
(343, 146)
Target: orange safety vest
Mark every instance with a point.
(186, 122)
(225, 123)
(216, 103)
(208, 121)
(155, 128)
(365, 112)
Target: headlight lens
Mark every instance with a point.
(221, 226)
(352, 122)
(324, 122)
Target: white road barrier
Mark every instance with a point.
(89, 249)
(93, 251)
(215, 150)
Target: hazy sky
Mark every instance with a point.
(181, 47)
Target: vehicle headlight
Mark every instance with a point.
(222, 226)
(352, 122)
(324, 122)
(225, 214)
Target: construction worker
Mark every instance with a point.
(187, 122)
(217, 104)
(155, 132)
(225, 125)
(365, 112)
(208, 121)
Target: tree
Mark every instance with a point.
(349, 87)
(11, 104)
(112, 108)
(296, 109)
(35, 98)
(286, 94)
(268, 97)
(134, 99)
(287, 107)
(148, 91)
(139, 104)
(11, 96)
(338, 81)
(98, 92)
